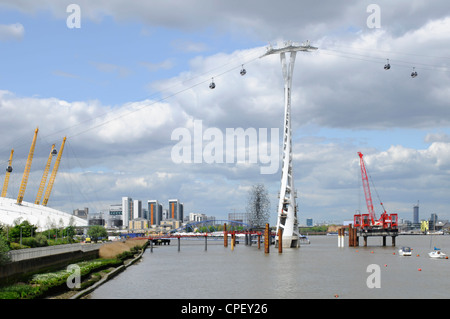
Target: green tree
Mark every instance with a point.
(97, 231)
(27, 231)
(70, 231)
(4, 248)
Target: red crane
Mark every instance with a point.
(369, 220)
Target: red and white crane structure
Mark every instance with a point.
(365, 221)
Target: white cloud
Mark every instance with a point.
(125, 150)
(10, 32)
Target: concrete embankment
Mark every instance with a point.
(31, 260)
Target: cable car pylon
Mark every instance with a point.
(287, 208)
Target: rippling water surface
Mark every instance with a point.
(319, 270)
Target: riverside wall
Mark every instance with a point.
(30, 260)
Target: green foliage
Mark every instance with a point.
(19, 291)
(41, 283)
(25, 227)
(314, 229)
(41, 240)
(4, 248)
(95, 232)
(15, 246)
(130, 253)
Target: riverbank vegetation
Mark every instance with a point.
(43, 285)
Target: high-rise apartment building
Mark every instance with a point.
(155, 212)
(175, 209)
(127, 210)
(137, 209)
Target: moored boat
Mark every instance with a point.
(437, 254)
(404, 251)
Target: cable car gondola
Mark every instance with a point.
(413, 73)
(387, 66)
(243, 71)
(9, 169)
(212, 85)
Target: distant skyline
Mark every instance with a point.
(134, 72)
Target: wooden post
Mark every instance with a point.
(280, 241)
(393, 241)
(179, 243)
(206, 242)
(266, 239)
(259, 240)
(350, 235)
(225, 235)
(233, 240)
(151, 245)
(384, 241)
(365, 241)
(355, 237)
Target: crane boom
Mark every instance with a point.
(44, 176)
(8, 172)
(386, 220)
(53, 175)
(26, 172)
(366, 187)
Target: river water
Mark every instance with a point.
(320, 270)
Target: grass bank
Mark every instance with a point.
(54, 284)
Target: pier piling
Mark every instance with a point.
(266, 239)
(280, 240)
(341, 235)
(225, 235)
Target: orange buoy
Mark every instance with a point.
(420, 269)
(336, 296)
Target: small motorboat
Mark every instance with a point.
(404, 251)
(437, 254)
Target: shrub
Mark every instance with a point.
(29, 241)
(4, 248)
(41, 240)
(17, 246)
(19, 291)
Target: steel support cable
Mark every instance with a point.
(126, 111)
(376, 59)
(129, 112)
(391, 52)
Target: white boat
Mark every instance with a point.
(437, 253)
(404, 251)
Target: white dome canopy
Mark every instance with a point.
(41, 216)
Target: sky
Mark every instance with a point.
(120, 78)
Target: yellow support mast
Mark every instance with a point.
(45, 175)
(8, 172)
(26, 172)
(53, 176)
